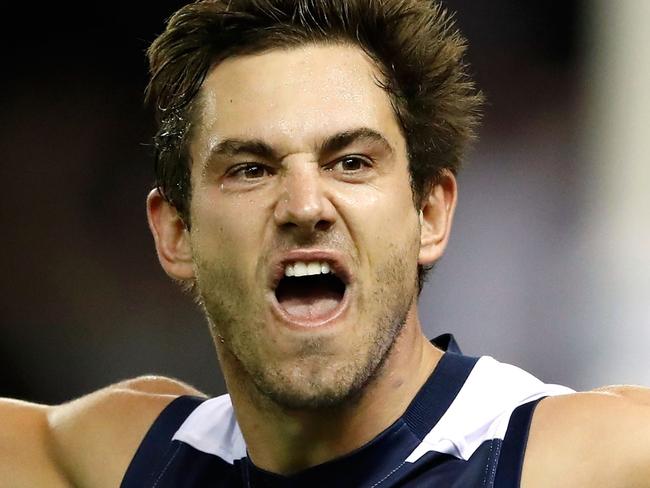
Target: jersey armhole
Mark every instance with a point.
(513, 448)
(156, 442)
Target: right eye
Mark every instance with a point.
(249, 171)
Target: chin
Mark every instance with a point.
(311, 397)
(317, 382)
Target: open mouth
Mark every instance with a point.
(307, 293)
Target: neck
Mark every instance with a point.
(304, 438)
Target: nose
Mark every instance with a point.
(304, 205)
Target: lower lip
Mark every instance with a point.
(317, 322)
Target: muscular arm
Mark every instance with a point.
(595, 439)
(25, 447)
(86, 442)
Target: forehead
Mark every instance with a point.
(294, 98)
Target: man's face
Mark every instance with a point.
(299, 166)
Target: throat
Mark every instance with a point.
(310, 305)
(311, 297)
(302, 443)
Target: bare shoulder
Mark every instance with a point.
(596, 438)
(86, 442)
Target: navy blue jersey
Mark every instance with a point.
(467, 427)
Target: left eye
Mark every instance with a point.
(349, 164)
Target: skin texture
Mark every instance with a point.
(306, 201)
(294, 387)
(308, 195)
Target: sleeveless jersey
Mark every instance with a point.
(466, 427)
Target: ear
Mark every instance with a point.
(436, 218)
(171, 237)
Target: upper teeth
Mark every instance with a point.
(300, 268)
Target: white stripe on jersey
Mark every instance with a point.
(482, 409)
(213, 429)
(480, 412)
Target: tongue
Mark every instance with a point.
(308, 303)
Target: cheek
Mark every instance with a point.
(231, 220)
(219, 238)
(381, 218)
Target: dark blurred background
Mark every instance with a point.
(527, 277)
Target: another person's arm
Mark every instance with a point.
(596, 439)
(88, 442)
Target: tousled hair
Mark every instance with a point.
(414, 44)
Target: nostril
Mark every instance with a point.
(322, 225)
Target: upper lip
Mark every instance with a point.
(334, 258)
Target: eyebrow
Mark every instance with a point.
(344, 139)
(234, 147)
(257, 147)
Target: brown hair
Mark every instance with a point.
(414, 43)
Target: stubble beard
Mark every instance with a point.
(310, 380)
